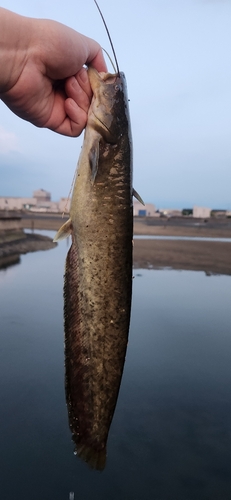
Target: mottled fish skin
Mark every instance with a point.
(98, 275)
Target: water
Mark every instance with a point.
(171, 434)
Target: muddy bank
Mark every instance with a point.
(184, 227)
(181, 226)
(190, 232)
(9, 260)
(11, 250)
(208, 256)
(212, 257)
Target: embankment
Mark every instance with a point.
(211, 257)
(14, 241)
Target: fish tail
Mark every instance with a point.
(96, 459)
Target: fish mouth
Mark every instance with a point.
(96, 78)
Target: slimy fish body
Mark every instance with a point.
(98, 275)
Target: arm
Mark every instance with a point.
(42, 78)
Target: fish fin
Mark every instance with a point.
(138, 197)
(94, 159)
(95, 459)
(64, 231)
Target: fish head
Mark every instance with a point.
(108, 113)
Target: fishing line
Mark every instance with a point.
(71, 189)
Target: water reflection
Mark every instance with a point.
(9, 261)
(170, 437)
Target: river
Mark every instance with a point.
(171, 434)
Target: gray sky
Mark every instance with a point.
(176, 55)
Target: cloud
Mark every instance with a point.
(8, 141)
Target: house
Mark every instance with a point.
(147, 210)
(201, 212)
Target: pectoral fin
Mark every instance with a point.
(94, 159)
(137, 196)
(64, 231)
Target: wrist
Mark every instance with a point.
(15, 41)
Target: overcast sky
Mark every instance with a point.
(176, 55)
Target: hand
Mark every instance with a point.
(46, 83)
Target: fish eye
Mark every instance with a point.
(117, 87)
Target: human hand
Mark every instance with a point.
(46, 83)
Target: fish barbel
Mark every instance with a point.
(98, 274)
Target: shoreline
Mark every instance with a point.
(211, 257)
(211, 228)
(207, 256)
(10, 251)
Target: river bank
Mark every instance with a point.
(10, 250)
(181, 226)
(212, 257)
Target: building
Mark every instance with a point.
(187, 212)
(201, 212)
(16, 203)
(147, 210)
(41, 202)
(219, 213)
(42, 196)
(170, 212)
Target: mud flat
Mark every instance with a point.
(187, 227)
(10, 251)
(212, 257)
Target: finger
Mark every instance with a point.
(78, 88)
(97, 61)
(65, 116)
(77, 117)
(84, 82)
(74, 122)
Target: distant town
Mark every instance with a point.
(41, 202)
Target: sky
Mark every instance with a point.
(176, 55)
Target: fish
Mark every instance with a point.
(98, 271)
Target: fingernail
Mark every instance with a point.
(73, 104)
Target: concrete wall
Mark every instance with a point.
(10, 224)
(10, 228)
